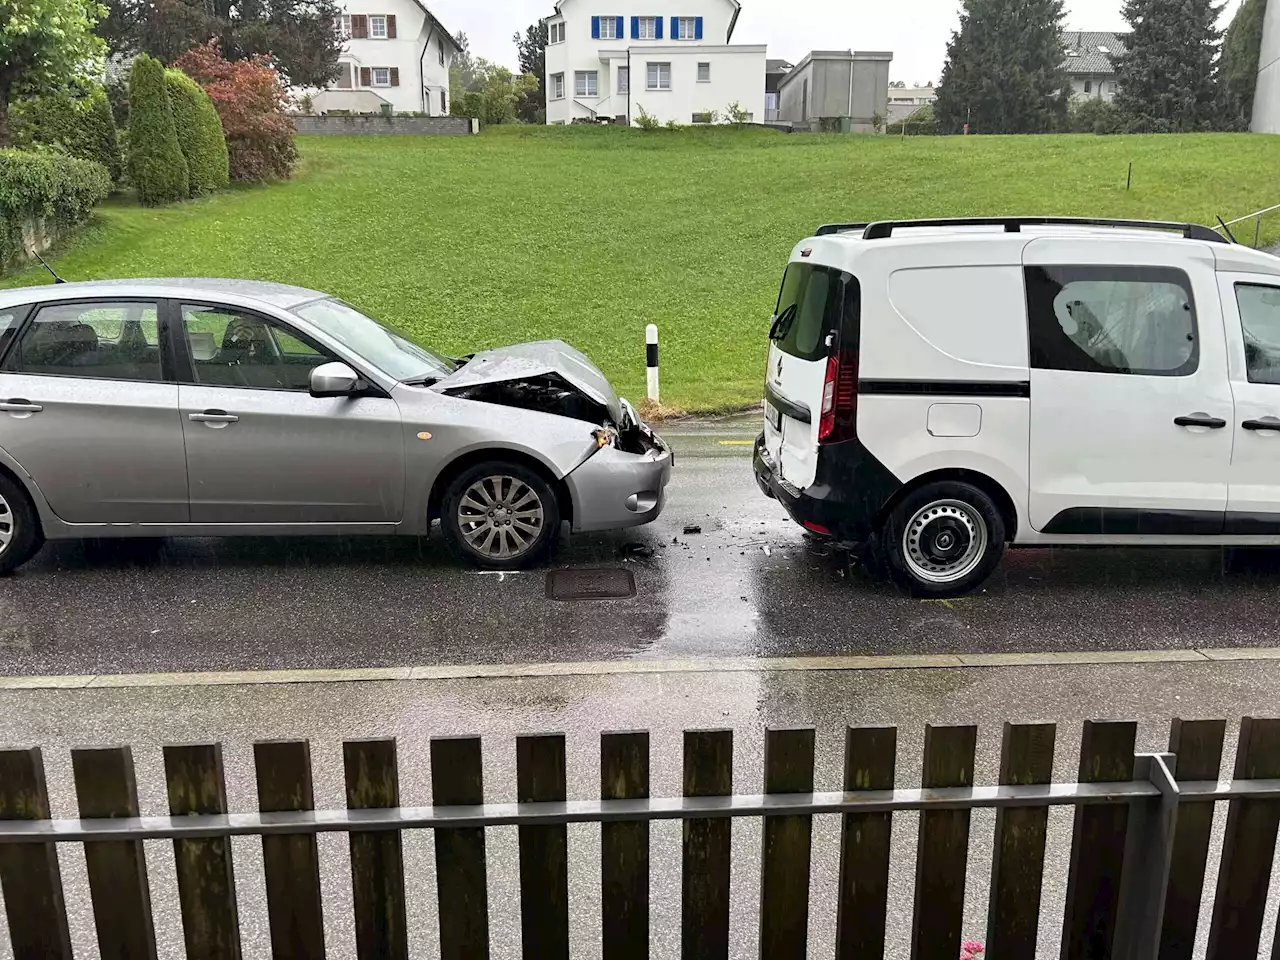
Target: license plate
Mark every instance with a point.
(773, 415)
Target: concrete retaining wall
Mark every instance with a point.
(35, 234)
(438, 126)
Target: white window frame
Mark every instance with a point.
(686, 28)
(648, 28)
(652, 80)
(373, 76)
(555, 33)
(612, 27)
(375, 18)
(590, 84)
(557, 86)
(344, 26)
(706, 79)
(624, 79)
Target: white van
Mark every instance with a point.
(937, 389)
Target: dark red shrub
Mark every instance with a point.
(251, 100)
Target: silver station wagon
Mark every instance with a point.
(225, 407)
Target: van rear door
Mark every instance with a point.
(805, 328)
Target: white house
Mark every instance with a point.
(678, 52)
(1089, 63)
(396, 59)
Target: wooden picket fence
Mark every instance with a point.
(1139, 847)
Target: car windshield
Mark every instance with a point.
(389, 350)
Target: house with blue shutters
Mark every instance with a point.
(608, 60)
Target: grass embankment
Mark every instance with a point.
(588, 234)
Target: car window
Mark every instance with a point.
(103, 340)
(394, 353)
(10, 319)
(1129, 320)
(234, 348)
(1260, 323)
(808, 309)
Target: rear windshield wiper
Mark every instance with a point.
(782, 323)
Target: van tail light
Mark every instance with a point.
(839, 419)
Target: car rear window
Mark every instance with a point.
(810, 306)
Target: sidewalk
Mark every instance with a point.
(584, 703)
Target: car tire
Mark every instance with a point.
(500, 515)
(943, 539)
(20, 534)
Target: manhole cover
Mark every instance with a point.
(598, 584)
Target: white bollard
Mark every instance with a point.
(651, 359)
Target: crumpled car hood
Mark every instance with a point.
(525, 360)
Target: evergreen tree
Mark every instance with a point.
(199, 133)
(98, 134)
(532, 51)
(1168, 74)
(1003, 72)
(1240, 49)
(156, 164)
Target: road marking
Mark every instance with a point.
(737, 443)
(945, 661)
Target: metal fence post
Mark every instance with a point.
(1148, 859)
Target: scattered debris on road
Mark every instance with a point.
(636, 549)
(692, 528)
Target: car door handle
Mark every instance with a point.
(18, 405)
(1200, 420)
(1266, 423)
(214, 416)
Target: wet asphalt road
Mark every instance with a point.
(750, 584)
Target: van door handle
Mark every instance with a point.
(1266, 423)
(19, 405)
(214, 416)
(1200, 420)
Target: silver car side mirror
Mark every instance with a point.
(335, 380)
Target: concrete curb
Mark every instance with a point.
(962, 661)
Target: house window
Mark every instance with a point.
(381, 76)
(442, 51)
(624, 79)
(702, 117)
(608, 28)
(557, 86)
(344, 26)
(378, 28)
(1088, 86)
(555, 33)
(704, 73)
(648, 28)
(659, 76)
(686, 28)
(584, 84)
(444, 103)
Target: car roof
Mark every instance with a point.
(274, 294)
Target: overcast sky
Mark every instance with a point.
(915, 30)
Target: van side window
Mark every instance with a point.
(809, 308)
(1260, 324)
(1135, 320)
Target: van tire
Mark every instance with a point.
(21, 522)
(958, 539)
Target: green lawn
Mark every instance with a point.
(588, 234)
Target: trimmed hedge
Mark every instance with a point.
(156, 164)
(199, 133)
(82, 126)
(51, 187)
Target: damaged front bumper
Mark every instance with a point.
(615, 488)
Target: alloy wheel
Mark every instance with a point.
(500, 517)
(7, 525)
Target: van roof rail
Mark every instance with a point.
(885, 228)
(827, 229)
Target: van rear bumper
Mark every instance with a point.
(847, 499)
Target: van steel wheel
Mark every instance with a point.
(20, 535)
(944, 539)
(500, 515)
